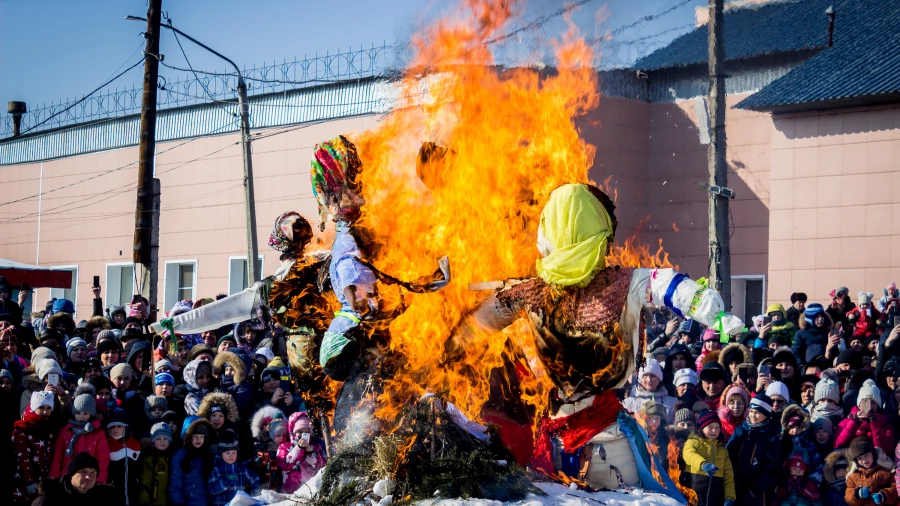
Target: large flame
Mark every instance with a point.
(511, 140)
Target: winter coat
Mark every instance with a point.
(728, 421)
(798, 491)
(292, 459)
(833, 488)
(863, 324)
(195, 394)
(793, 315)
(227, 479)
(668, 370)
(124, 469)
(155, 469)
(639, 396)
(877, 429)
(757, 454)
(711, 490)
(803, 443)
(239, 389)
(810, 341)
(782, 333)
(266, 464)
(88, 438)
(189, 480)
(32, 440)
(877, 478)
(60, 493)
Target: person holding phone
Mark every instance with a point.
(864, 318)
(866, 419)
(812, 338)
(302, 456)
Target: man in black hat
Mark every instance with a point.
(78, 487)
(712, 384)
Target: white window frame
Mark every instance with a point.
(765, 298)
(75, 286)
(166, 305)
(134, 289)
(262, 266)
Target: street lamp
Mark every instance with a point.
(249, 199)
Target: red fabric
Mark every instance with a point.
(865, 325)
(93, 443)
(33, 448)
(574, 430)
(519, 439)
(877, 429)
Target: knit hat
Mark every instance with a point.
(160, 364)
(74, 343)
(106, 334)
(4, 373)
(812, 311)
(180, 307)
(164, 378)
(227, 337)
(849, 356)
(160, 429)
(273, 372)
(47, 366)
(762, 403)
(828, 389)
(684, 415)
(121, 370)
(117, 418)
(710, 334)
(265, 352)
(864, 298)
(651, 367)
(685, 375)
(796, 461)
(869, 390)
(41, 398)
(155, 401)
(712, 371)
(778, 388)
(83, 460)
(227, 441)
(808, 381)
(41, 353)
(654, 409)
(90, 363)
(107, 344)
(785, 355)
(705, 418)
(85, 403)
(823, 423)
(861, 446)
(277, 427)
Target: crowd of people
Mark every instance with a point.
(102, 410)
(801, 409)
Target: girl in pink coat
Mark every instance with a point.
(866, 419)
(301, 457)
(83, 434)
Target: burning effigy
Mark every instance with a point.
(481, 383)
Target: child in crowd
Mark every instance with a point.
(32, 442)
(192, 464)
(156, 467)
(269, 429)
(124, 454)
(302, 456)
(835, 476)
(797, 488)
(867, 421)
(228, 474)
(708, 463)
(733, 407)
(869, 479)
(81, 434)
(795, 424)
(757, 453)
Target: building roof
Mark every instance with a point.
(749, 32)
(863, 65)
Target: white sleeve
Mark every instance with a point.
(230, 310)
(678, 291)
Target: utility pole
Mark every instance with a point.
(249, 198)
(719, 193)
(145, 248)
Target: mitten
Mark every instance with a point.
(878, 497)
(862, 492)
(709, 469)
(816, 477)
(729, 503)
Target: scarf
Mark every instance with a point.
(826, 410)
(76, 433)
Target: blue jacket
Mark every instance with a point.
(187, 487)
(809, 343)
(227, 479)
(757, 454)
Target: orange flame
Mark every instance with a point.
(675, 472)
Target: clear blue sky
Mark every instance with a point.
(53, 49)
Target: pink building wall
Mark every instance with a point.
(835, 220)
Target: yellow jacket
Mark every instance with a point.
(698, 451)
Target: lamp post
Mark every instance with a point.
(249, 200)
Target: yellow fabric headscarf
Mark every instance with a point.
(572, 235)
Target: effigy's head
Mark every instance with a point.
(334, 175)
(290, 235)
(577, 228)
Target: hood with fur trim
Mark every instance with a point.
(192, 429)
(263, 415)
(64, 318)
(881, 459)
(237, 365)
(832, 460)
(791, 411)
(712, 356)
(732, 349)
(219, 399)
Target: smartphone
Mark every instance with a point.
(25, 287)
(896, 320)
(765, 369)
(865, 405)
(136, 299)
(96, 281)
(869, 312)
(53, 379)
(305, 438)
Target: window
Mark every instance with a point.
(181, 282)
(237, 273)
(119, 284)
(748, 296)
(70, 293)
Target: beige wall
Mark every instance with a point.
(834, 219)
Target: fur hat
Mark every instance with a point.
(794, 416)
(654, 409)
(861, 446)
(705, 418)
(238, 367)
(686, 375)
(684, 415)
(159, 430)
(219, 402)
(196, 425)
(869, 390)
(835, 461)
(155, 401)
(734, 352)
(85, 403)
(198, 349)
(778, 388)
(651, 367)
(121, 370)
(41, 398)
(264, 416)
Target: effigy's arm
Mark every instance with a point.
(492, 315)
(230, 310)
(687, 298)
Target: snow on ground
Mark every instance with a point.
(560, 495)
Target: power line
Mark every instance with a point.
(202, 85)
(650, 17)
(540, 21)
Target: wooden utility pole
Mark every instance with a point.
(145, 219)
(719, 194)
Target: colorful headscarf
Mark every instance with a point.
(282, 237)
(572, 236)
(334, 167)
